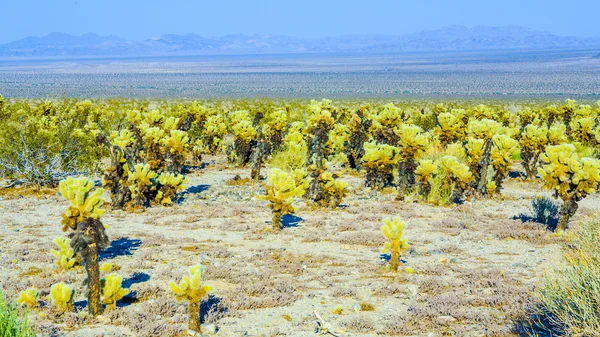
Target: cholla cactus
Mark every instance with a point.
(197, 150)
(320, 123)
(244, 133)
(85, 203)
(482, 111)
(170, 184)
(61, 296)
(88, 237)
(393, 230)
(280, 188)
(214, 130)
(503, 149)
(141, 184)
(412, 142)
(582, 130)
(557, 134)
(358, 128)
(570, 177)
(533, 142)
(112, 290)
(276, 123)
(29, 298)
(485, 130)
(379, 161)
(450, 128)
(153, 137)
(424, 173)
(192, 290)
(456, 174)
(65, 257)
(176, 149)
(384, 122)
(335, 190)
(115, 176)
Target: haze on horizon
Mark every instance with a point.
(139, 20)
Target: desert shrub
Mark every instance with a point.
(569, 297)
(12, 322)
(39, 145)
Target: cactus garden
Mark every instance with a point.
(299, 217)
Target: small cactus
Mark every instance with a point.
(61, 296)
(29, 298)
(65, 257)
(280, 188)
(192, 290)
(393, 230)
(112, 290)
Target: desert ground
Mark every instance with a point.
(475, 265)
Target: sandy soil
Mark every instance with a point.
(475, 266)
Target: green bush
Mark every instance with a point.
(13, 324)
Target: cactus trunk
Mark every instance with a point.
(93, 273)
(483, 168)
(194, 312)
(276, 221)
(566, 212)
(394, 260)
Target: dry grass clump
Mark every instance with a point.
(269, 293)
(343, 292)
(364, 238)
(568, 299)
(359, 324)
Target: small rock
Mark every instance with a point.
(210, 329)
(445, 320)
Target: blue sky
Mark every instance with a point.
(141, 19)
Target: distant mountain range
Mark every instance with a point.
(446, 39)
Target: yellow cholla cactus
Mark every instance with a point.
(570, 177)
(177, 142)
(455, 172)
(426, 169)
(123, 138)
(335, 189)
(449, 129)
(533, 142)
(170, 124)
(85, 203)
(61, 296)
(582, 130)
(190, 288)
(280, 188)
(503, 149)
(142, 175)
(412, 141)
(423, 175)
(151, 135)
(396, 244)
(457, 150)
(379, 160)
(108, 267)
(483, 129)
(557, 134)
(112, 290)
(154, 117)
(29, 298)
(171, 184)
(244, 130)
(482, 111)
(65, 257)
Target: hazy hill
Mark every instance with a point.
(449, 38)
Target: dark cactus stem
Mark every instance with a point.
(406, 174)
(567, 210)
(88, 240)
(484, 163)
(194, 313)
(256, 159)
(277, 221)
